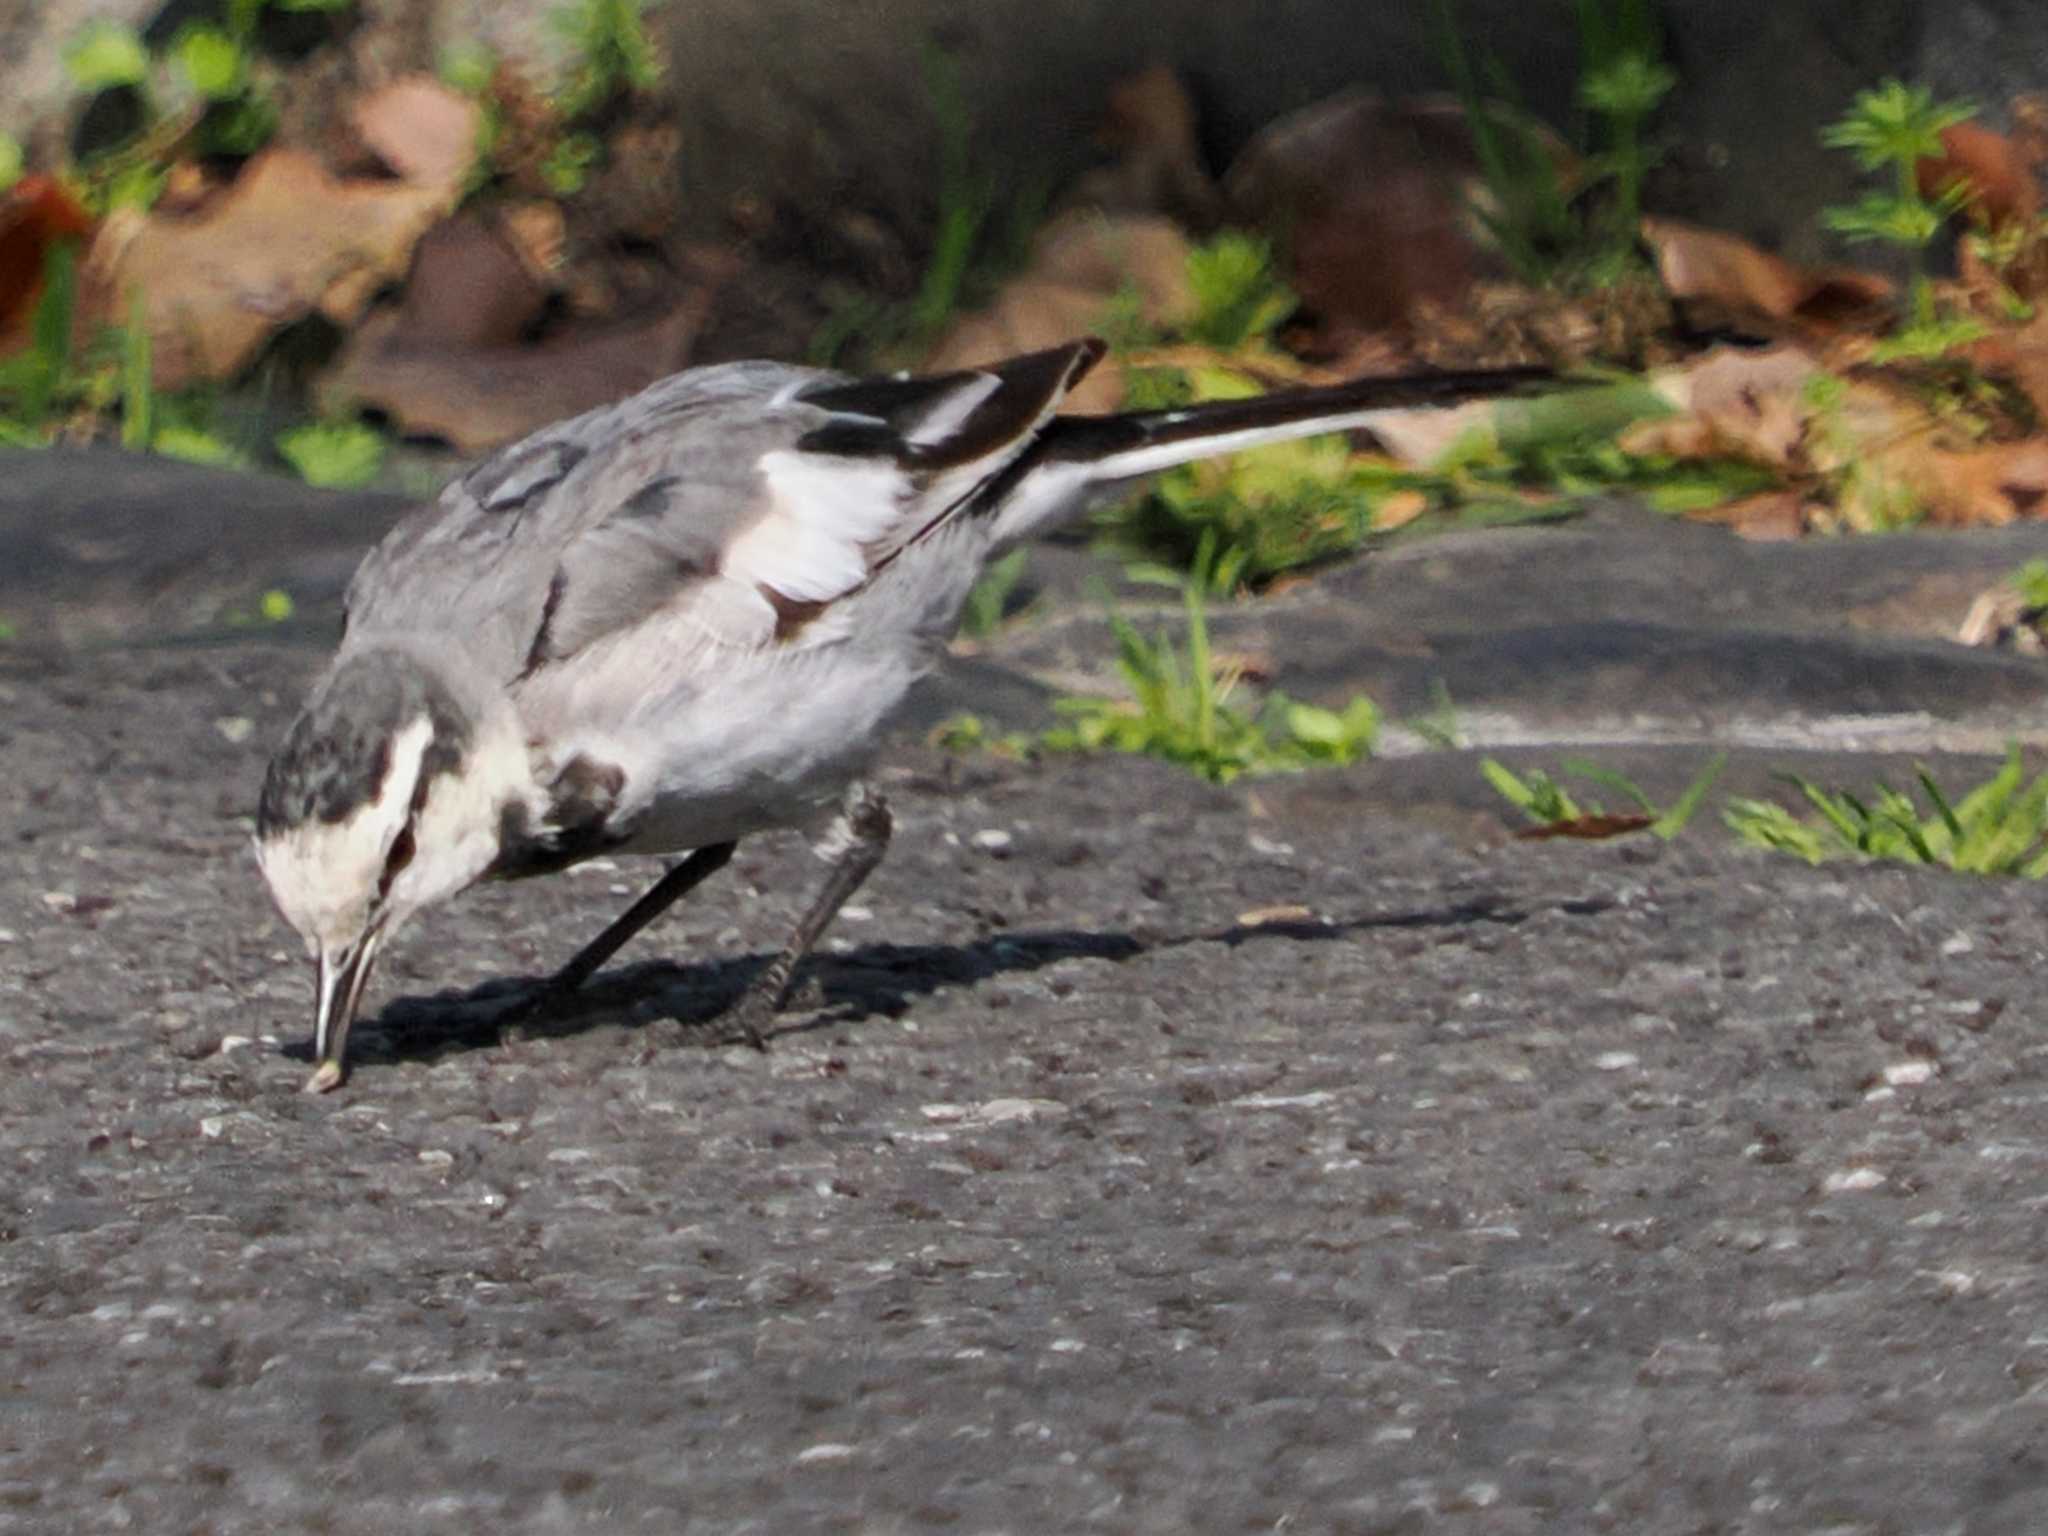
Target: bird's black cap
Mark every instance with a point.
(339, 751)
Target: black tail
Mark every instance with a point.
(1188, 433)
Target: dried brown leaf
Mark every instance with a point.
(1768, 517)
(1996, 169)
(1399, 510)
(1744, 279)
(479, 397)
(468, 287)
(36, 212)
(1370, 196)
(1080, 264)
(1735, 403)
(425, 132)
(1977, 487)
(1591, 828)
(1418, 438)
(286, 239)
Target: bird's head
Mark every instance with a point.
(386, 797)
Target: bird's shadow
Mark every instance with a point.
(688, 1001)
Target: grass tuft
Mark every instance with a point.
(1998, 828)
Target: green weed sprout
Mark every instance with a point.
(1622, 83)
(2031, 582)
(610, 54)
(1550, 807)
(1890, 129)
(1998, 828)
(1181, 709)
(1547, 236)
(1239, 298)
(334, 455)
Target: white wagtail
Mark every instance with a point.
(681, 619)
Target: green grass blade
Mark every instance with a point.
(1620, 783)
(1682, 810)
(1507, 785)
(1845, 826)
(1942, 809)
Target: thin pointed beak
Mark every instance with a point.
(342, 975)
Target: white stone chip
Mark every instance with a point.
(993, 1112)
(830, 1450)
(1314, 1100)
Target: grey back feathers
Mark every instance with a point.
(729, 508)
(739, 498)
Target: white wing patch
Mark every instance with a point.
(1150, 458)
(821, 512)
(945, 418)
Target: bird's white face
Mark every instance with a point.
(336, 882)
(381, 826)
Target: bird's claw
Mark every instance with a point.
(754, 1017)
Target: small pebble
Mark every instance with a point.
(1615, 1061)
(1901, 1073)
(829, 1451)
(235, 729)
(1259, 917)
(1957, 944)
(1849, 1180)
(992, 840)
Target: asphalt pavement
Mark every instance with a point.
(1138, 1156)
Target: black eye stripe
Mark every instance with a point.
(403, 847)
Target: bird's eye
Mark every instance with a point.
(402, 849)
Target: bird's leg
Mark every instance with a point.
(854, 842)
(666, 892)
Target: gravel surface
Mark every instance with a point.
(1134, 1161)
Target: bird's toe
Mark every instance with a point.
(754, 1019)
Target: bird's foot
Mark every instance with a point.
(754, 1016)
